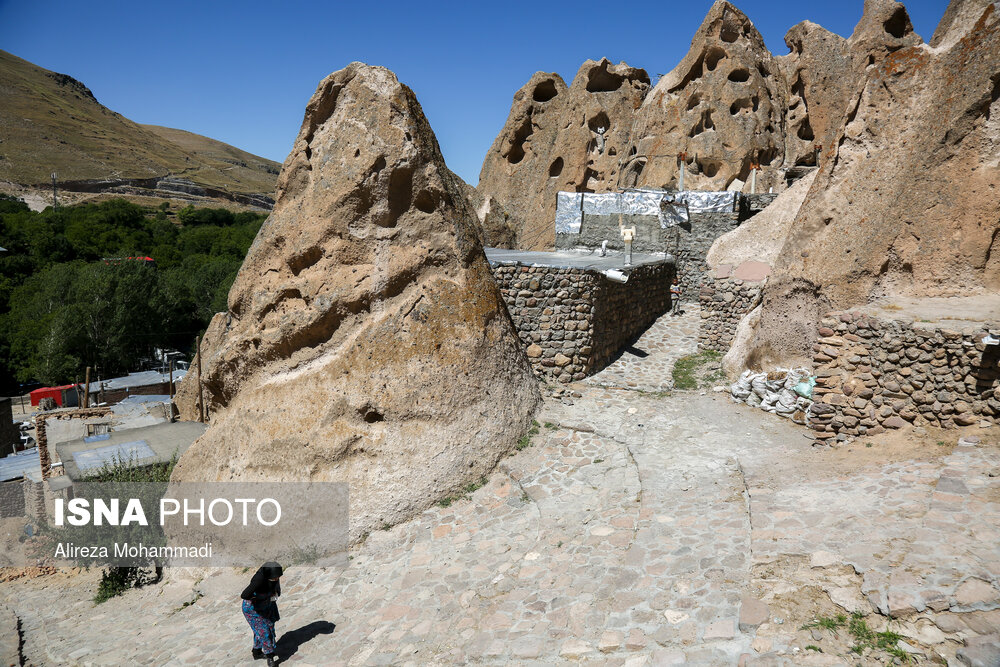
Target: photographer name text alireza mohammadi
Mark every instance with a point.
(130, 512)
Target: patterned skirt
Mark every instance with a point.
(262, 626)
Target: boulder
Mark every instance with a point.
(496, 228)
(365, 340)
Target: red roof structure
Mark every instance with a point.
(55, 393)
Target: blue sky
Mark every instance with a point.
(242, 72)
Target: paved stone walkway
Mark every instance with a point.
(647, 364)
(637, 529)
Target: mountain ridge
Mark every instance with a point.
(52, 122)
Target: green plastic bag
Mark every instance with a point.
(805, 388)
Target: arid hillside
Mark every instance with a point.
(50, 122)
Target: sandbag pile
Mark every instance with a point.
(785, 392)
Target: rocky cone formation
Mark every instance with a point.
(365, 339)
(722, 107)
(905, 200)
(728, 106)
(561, 138)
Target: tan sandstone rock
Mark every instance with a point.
(365, 339)
(761, 237)
(727, 106)
(722, 106)
(561, 138)
(904, 202)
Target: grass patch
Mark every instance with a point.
(813, 647)
(865, 639)
(472, 487)
(467, 492)
(114, 582)
(190, 602)
(698, 370)
(525, 440)
(830, 623)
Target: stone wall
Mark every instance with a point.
(875, 374)
(751, 205)
(689, 244)
(724, 302)
(11, 499)
(573, 321)
(595, 229)
(623, 311)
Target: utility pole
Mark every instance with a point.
(86, 391)
(201, 395)
(55, 201)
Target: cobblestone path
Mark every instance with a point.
(636, 529)
(648, 362)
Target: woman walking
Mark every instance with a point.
(261, 609)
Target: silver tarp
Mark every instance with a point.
(569, 212)
(670, 207)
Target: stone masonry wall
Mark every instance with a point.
(572, 321)
(623, 311)
(11, 499)
(689, 244)
(724, 302)
(875, 374)
(553, 313)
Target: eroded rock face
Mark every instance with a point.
(496, 228)
(365, 340)
(722, 106)
(762, 237)
(561, 138)
(904, 202)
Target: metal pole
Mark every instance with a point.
(55, 201)
(170, 390)
(201, 394)
(86, 390)
(680, 182)
(753, 181)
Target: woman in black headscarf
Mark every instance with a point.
(261, 609)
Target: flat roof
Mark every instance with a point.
(163, 440)
(964, 314)
(18, 465)
(589, 260)
(140, 379)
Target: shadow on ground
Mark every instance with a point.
(290, 641)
